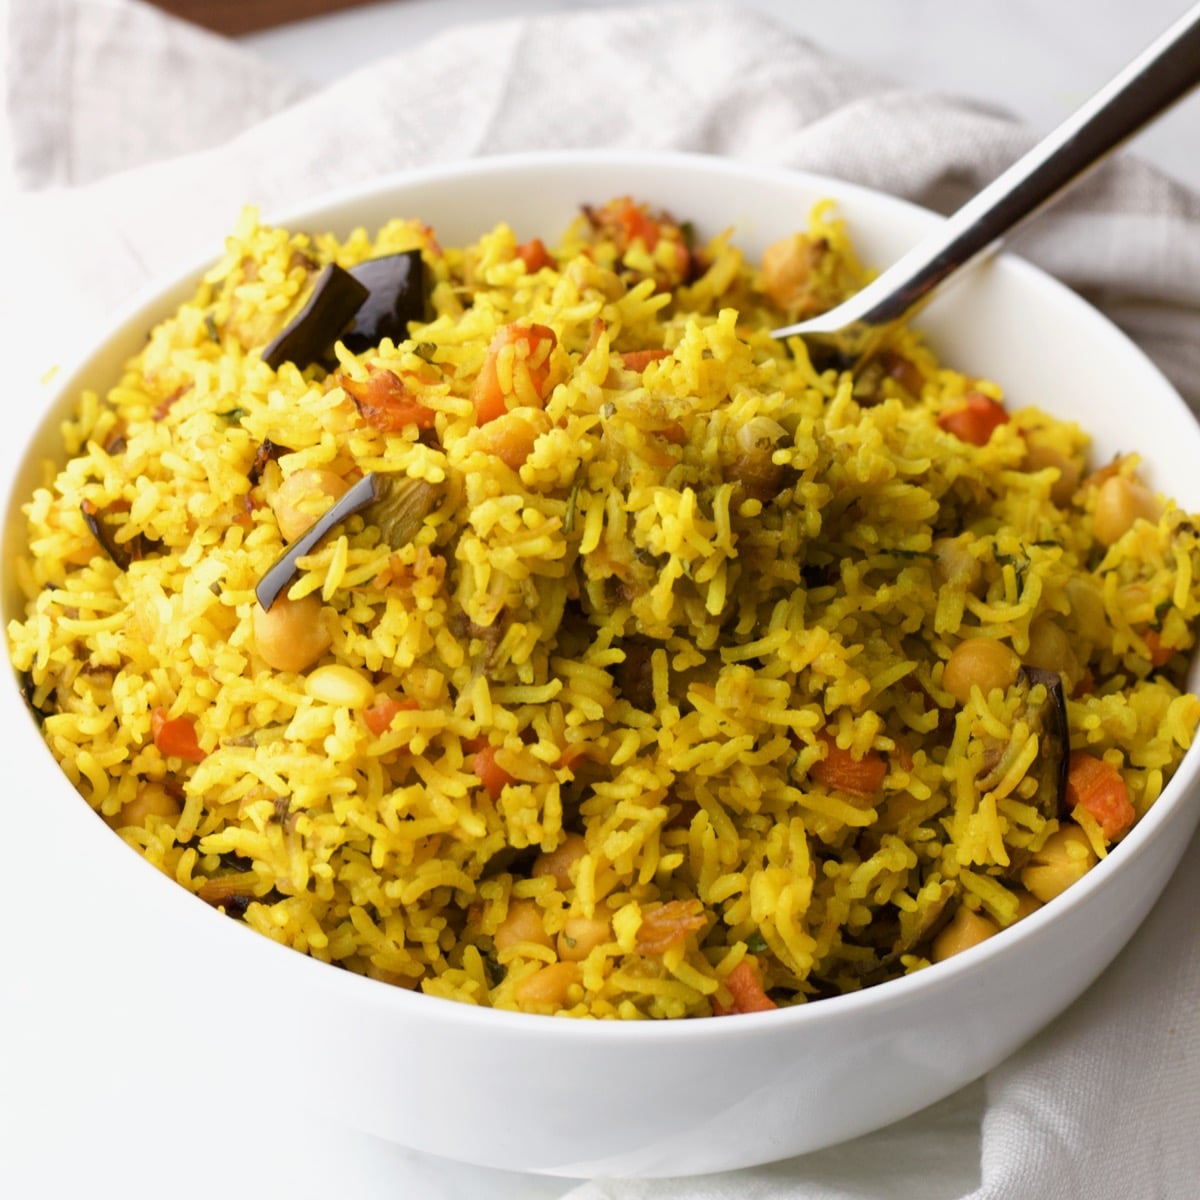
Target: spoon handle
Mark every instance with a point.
(1165, 72)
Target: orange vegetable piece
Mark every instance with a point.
(976, 420)
(534, 255)
(385, 402)
(840, 771)
(1160, 652)
(532, 344)
(493, 776)
(638, 360)
(668, 925)
(1097, 787)
(379, 716)
(748, 994)
(175, 736)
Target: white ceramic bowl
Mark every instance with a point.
(175, 987)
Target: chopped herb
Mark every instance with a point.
(569, 514)
(756, 943)
(232, 416)
(425, 350)
(306, 339)
(210, 326)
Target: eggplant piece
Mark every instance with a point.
(396, 296)
(397, 504)
(121, 553)
(306, 339)
(1049, 721)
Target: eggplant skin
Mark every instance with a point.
(1049, 721)
(396, 297)
(306, 339)
(374, 300)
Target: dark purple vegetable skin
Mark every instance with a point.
(373, 300)
(1049, 722)
(396, 287)
(335, 298)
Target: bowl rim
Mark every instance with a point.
(359, 989)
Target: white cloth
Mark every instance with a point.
(153, 135)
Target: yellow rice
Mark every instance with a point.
(657, 657)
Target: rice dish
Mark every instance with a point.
(664, 672)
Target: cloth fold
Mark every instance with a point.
(156, 133)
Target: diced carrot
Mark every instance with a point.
(175, 736)
(674, 433)
(534, 255)
(638, 360)
(1160, 652)
(840, 771)
(748, 994)
(1096, 786)
(379, 716)
(533, 345)
(668, 925)
(386, 403)
(976, 420)
(634, 222)
(493, 776)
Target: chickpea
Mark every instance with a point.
(340, 685)
(580, 936)
(302, 497)
(1026, 903)
(523, 923)
(152, 800)
(1088, 616)
(547, 985)
(1119, 504)
(1066, 858)
(1050, 648)
(787, 266)
(966, 929)
(290, 635)
(955, 564)
(982, 662)
(510, 437)
(560, 861)
(1039, 457)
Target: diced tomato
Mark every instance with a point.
(668, 925)
(379, 715)
(976, 420)
(175, 736)
(639, 360)
(493, 776)
(533, 345)
(840, 771)
(534, 255)
(1160, 652)
(386, 403)
(748, 994)
(1097, 787)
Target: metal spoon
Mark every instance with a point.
(1165, 72)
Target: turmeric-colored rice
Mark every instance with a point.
(655, 709)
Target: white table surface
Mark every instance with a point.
(1036, 58)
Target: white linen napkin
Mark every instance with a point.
(154, 135)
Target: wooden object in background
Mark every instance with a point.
(245, 16)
